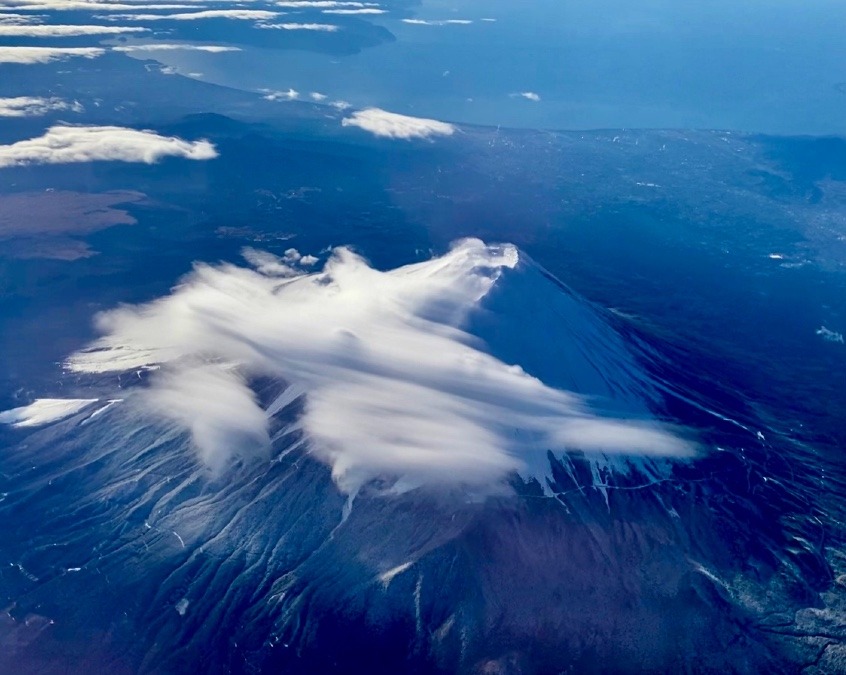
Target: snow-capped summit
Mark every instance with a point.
(461, 369)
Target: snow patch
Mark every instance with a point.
(386, 577)
(44, 411)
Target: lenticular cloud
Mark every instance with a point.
(392, 384)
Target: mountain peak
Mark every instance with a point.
(461, 369)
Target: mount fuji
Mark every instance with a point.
(458, 465)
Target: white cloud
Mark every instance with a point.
(321, 27)
(66, 31)
(18, 19)
(393, 125)
(318, 4)
(31, 106)
(32, 55)
(363, 10)
(238, 14)
(292, 256)
(290, 95)
(169, 47)
(77, 5)
(215, 404)
(44, 411)
(528, 95)
(64, 144)
(393, 384)
(830, 335)
(317, 96)
(443, 22)
(270, 265)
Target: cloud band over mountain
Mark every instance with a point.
(393, 385)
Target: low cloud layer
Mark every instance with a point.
(393, 125)
(66, 31)
(392, 385)
(438, 22)
(320, 27)
(85, 5)
(63, 144)
(34, 55)
(324, 4)
(171, 47)
(18, 19)
(238, 14)
(363, 10)
(33, 106)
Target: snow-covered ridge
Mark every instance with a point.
(44, 411)
(399, 369)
